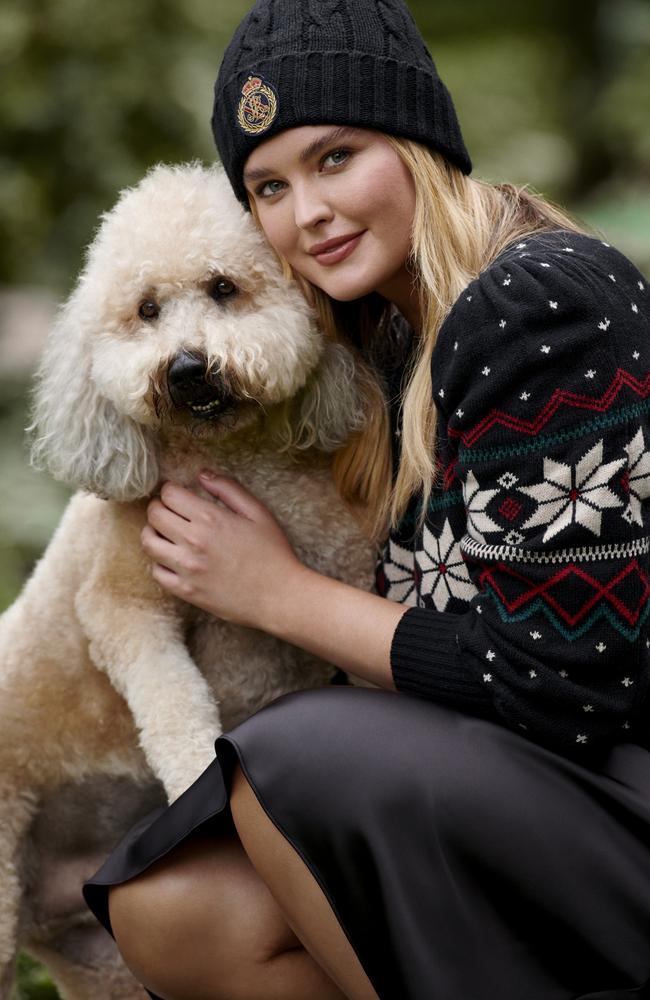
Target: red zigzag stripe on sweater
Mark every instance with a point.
(559, 397)
(602, 591)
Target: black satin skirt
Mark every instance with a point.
(462, 860)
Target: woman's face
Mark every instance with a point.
(317, 184)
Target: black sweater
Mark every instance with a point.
(529, 585)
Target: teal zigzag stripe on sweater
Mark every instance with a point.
(603, 611)
(468, 456)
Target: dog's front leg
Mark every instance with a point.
(137, 639)
(135, 632)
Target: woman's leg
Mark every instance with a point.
(302, 901)
(200, 924)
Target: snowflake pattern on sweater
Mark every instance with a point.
(528, 586)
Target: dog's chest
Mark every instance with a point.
(300, 494)
(247, 668)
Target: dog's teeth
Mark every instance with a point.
(202, 409)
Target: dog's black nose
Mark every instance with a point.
(186, 369)
(192, 385)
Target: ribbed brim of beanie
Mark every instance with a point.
(288, 65)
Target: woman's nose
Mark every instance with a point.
(309, 206)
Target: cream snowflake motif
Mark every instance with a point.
(400, 578)
(574, 495)
(444, 571)
(476, 500)
(638, 478)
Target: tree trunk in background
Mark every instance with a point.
(594, 56)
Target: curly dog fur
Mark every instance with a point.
(182, 345)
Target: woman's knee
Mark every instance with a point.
(200, 915)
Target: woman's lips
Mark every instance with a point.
(338, 253)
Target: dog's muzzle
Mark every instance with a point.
(192, 386)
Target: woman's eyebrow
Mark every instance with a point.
(325, 140)
(258, 173)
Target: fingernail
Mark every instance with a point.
(207, 474)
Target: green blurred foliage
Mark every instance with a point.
(91, 94)
(549, 93)
(30, 502)
(33, 982)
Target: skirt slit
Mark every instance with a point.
(460, 858)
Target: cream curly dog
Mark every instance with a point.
(182, 345)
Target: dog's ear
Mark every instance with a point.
(329, 407)
(75, 432)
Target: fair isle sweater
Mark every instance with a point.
(528, 587)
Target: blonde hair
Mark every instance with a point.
(460, 225)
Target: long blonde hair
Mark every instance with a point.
(461, 224)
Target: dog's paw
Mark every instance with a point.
(188, 771)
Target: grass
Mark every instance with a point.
(32, 981)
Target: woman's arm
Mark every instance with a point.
(541, 377)
(234, 560)
(348, 627)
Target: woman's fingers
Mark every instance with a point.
(185, 503)
(230, 491)
(171, 581)
(167, 522)
(159, 548)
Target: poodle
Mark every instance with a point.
(182, 345)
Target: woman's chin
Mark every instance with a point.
(346, 289)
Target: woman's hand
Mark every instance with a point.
(228, 561)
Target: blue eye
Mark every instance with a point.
(344, 153)
(337, 157)
(264, 193)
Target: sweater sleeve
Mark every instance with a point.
(542, 382)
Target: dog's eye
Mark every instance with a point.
(222, 288)
(148, 310)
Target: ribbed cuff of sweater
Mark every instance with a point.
(424, 661)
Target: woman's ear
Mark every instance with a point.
(77, 434)
(328, 409)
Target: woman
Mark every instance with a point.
(480, 826)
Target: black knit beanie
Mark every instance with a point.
(322, 62)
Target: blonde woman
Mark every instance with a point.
(479, 825)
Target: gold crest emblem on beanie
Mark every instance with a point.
(258, 106)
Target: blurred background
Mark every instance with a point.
(548, 93)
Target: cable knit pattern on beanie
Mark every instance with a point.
(278, 27)
(315, 62)
(398, 24)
